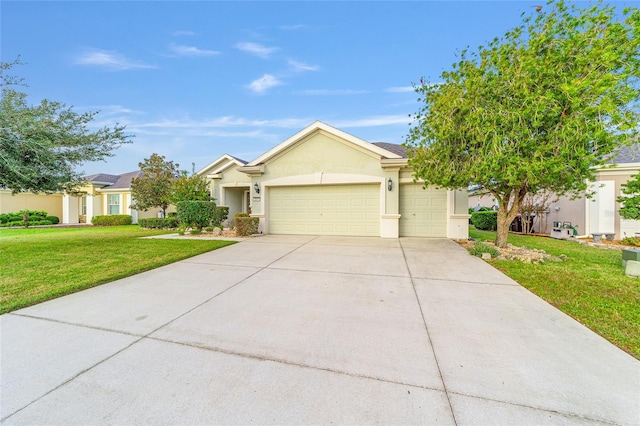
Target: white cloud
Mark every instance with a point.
(400, 89)
(110, 59)
(178, 33)
(191, 50)
(256, 49)
(264, 83)
(300, 66)
(331, 92)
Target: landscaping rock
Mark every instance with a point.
(217, 232)
(486, 256)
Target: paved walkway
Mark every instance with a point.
(299, 330)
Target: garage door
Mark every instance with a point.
(325, 210)
(423, 212)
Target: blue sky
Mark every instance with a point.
(195, 80)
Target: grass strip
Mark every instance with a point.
(39, 264)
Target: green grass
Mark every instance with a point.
(39, 264)
(590, 286)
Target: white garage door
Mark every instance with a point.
(423, 212)
(325, 210)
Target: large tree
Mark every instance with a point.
(190, 188)
(533, 110)
(155, 187)
(42, 146)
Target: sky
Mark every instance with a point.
(193, 80)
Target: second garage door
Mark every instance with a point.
(423, 212)
(325, 210)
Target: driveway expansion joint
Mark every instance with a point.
(257, 357)
(426, 329)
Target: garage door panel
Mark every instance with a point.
(325, 210)
(423, 212)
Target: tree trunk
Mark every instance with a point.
(502, 231)
(506, 214)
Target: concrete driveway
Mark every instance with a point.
(301, 329)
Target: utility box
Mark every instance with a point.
(562, 230)
(630, 254)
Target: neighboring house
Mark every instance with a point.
(10, 203)
(597, 214)
(323, 181)
(105, 194)
(600, 213)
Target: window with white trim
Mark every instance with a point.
(113, 203)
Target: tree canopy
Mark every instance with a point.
(190, 188)
(533, 110)
(155, 187)
(42, 146)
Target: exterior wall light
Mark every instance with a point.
(256, 188)
(389, 184)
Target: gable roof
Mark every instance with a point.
(223, 162)
(626, 154)
(318, 125)
(393, 147)
(122, 181)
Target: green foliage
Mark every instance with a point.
(155, 187)
(112, 220)
(222, 214)
(534, 109)
(19, 216)
(53, 219)
(196, 231)
(630, 241)
(159, 223)
(485, 220)
(481, 209)
(190, 188)
(43, 145)
(196, 214)
(479, 248)
(35, 263)
(631, 199)
(245, 225)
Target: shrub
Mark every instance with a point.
(53, 219)
(196, 214)
(485, 220)
(196, 231)
(479, 248)
(112, 220)
(630, 241)
(222, 214)
(159, 223)
(245, 225)
(31, 215)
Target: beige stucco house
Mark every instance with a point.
(104, 194)
(323, 181)
(13, 203)
(599, 214)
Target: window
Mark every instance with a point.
(83, 210)
(114, 203)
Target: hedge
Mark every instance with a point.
(30, 223)
(112, 220)
(33, 215)
(159, 223)
(53, 219)
(196, 214)
(486, 221)
(246, 226)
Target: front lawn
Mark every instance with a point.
(590, 286)
(39, 264)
